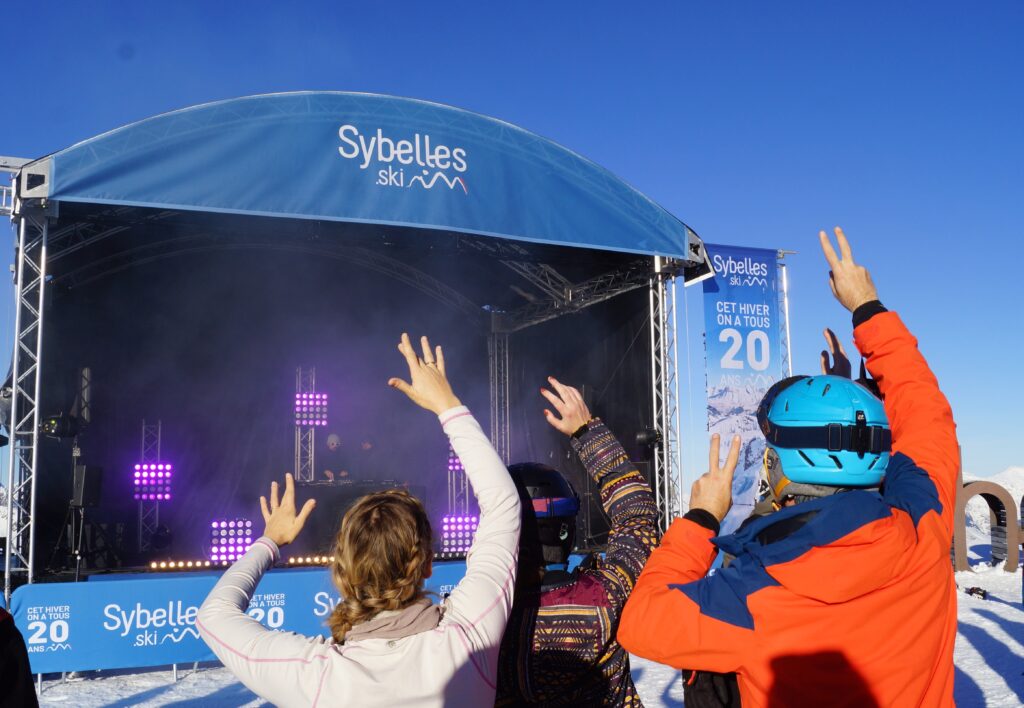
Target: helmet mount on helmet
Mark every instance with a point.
(825, 432)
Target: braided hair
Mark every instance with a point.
(381, 557)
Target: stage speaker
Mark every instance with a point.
(86, 487)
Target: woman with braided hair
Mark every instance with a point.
(390, 645)
(381, 556)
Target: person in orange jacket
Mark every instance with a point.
(845, 594)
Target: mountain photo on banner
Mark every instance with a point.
(744, 357)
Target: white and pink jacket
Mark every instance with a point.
(452, 664)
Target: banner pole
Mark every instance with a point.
(785, 309)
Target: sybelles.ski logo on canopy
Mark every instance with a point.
(420, 162)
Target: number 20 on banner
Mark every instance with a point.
(274, 616)
(758, 351)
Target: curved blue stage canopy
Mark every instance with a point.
(365, 158)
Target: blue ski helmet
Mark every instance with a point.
(550, 505)
(826, 430)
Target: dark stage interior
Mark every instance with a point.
(200, 321)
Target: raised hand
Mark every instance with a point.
(713, 491)
(428, 385)
(850, 283)
(572, 411)
(283, 524)
(840, 365)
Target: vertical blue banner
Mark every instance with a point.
(743, 346)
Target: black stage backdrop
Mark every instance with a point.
(209, 346)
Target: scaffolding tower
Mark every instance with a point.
(458, 485)
(149, 509)
(23, 426)
(305, 436)
(667, 467)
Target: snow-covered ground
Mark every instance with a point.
(989, 658)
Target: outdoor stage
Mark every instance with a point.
(185, 283)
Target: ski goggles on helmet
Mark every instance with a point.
(834, 437)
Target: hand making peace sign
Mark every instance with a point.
(850, 283)
(713, 491)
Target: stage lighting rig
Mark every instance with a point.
(229, 539)
(152, 481)
(299, 561)
(172, 566)
(60, 426)
(310, 410)
(457, 532)
(649, 438)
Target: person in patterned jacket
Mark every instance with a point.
(559, 646)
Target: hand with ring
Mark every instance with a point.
(428, 385)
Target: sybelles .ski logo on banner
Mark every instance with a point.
(152, 626)
(420, 162)
(740, 272)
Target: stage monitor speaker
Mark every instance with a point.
(86, 488)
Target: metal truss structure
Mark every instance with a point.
(576, 297)
(305, 435)
(6, 200)
(149, 509)
(787, 358)
(23, 426)
(498, 360)
(458, 488)
(517, 259)
(667, 459)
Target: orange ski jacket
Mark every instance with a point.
(845, 600)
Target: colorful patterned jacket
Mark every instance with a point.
(847, 600)
(559, 647)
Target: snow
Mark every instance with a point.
(989, 659)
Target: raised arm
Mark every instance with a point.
(676, 615)
(923, 432)
(625, 494)
(482, 601)
(282, 667)
(480, 604)
(919, 415)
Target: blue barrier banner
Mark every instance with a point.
(743, 345)
(149, 620)
(135, 620)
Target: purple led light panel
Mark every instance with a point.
(454, 463)
(457, 532)
(151, 481)
(310, 410)
(229, 539)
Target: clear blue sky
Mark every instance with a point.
(756, 123)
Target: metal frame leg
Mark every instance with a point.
(30, 298)
(665, 410)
